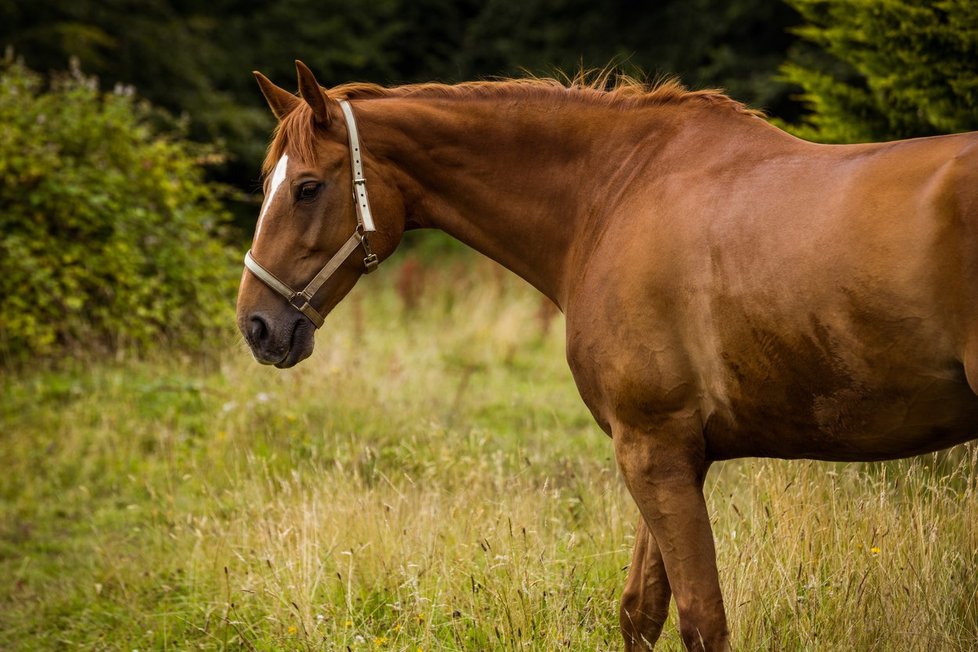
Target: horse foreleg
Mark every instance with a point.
(664, 468)
(645, 601)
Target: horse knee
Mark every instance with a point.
(641, 622)
(631, 630)
(645, 600)
(704, 628)
(631, 601)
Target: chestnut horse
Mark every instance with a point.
(729, 290)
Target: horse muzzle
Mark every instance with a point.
(283, 343)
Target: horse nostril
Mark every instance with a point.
(257, 330)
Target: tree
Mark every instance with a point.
(886, 69)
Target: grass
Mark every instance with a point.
(429, 480)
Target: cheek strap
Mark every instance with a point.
(302, 299)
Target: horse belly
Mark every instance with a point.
(811, 407)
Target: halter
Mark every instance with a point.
(365, 225)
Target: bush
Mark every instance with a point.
(109, 236)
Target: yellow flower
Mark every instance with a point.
(349, 623)
(292, 629)
(380, 640)
(875, 550)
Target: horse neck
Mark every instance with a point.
(514, 180)
(519, 181)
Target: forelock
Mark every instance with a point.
(297, 132)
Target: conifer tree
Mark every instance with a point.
(886, 69)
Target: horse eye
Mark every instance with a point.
(308, 191)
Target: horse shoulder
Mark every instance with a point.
(625, 332)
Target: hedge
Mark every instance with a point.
(110, 236)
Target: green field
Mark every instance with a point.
(428, 480)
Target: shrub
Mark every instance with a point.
(109, 235)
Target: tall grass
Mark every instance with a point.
(427, 480)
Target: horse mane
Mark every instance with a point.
(602, 87)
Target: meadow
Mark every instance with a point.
(428, 480)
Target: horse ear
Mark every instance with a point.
(312, 93)
(279, 100)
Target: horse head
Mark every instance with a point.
(316, 233)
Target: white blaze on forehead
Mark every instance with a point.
(278, 176)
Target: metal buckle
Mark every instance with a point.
(371, 262)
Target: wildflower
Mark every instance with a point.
(293, 629)
(396, 627)
(349, 623)
(875, 550)
(380, 640)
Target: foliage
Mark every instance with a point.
(888, 70)
(108, 235)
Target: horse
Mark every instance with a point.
(729, 290)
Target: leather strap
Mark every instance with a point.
(268, 278)
(364, 217)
